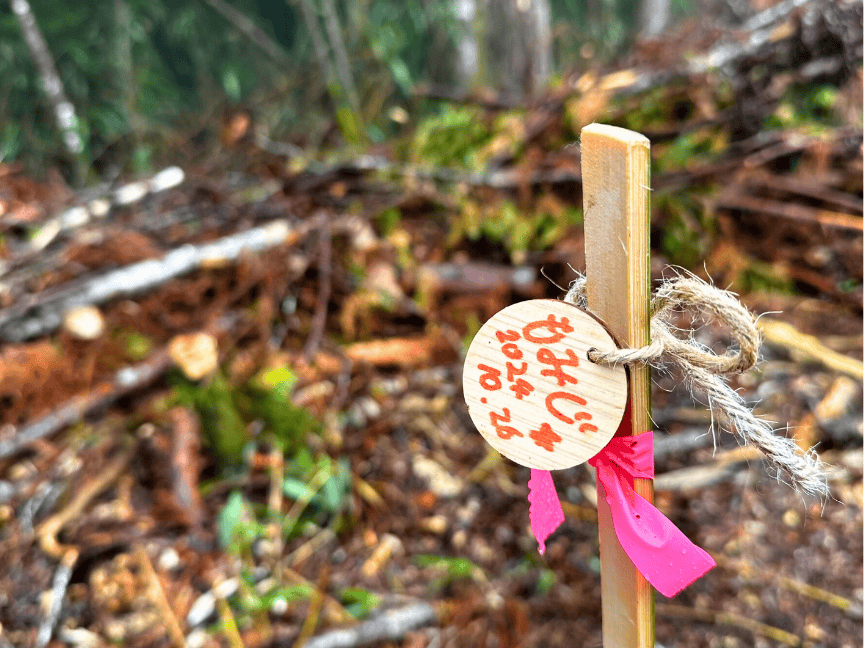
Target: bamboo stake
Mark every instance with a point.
(616, 181)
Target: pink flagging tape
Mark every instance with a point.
(545, 512)
(664, 555)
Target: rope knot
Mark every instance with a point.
(704, 370)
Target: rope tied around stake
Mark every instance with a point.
(704, 370)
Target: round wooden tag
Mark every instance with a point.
(533, 393)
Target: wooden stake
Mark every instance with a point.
(616, 178)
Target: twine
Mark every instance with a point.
(704, 370)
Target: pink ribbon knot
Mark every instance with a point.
(658, 549)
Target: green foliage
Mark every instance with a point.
(686, 234)
(451, 139)
(810, 106)
(136, 345)
(545, 581)
(388, 220)
(236, 525)
(452, 570)
(358, 602)
(519, 232)
(763, 277)
(226, 412)
(321, 484)
(691, 149)
(254, 602)
(223, 426)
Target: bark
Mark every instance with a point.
(64, 111)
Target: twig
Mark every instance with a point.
(749, 571)
(158, 596)
(48, 530)
(809, 346)
(275, 498)
(58, 592)
(125, 381)
(334, 609)
(248, 28)
(44, 312)
(801, 187)
(729, 619)
(229, 624)
(315, 605)
(318, 44)
(308, 548)
(696, 477)
(792, 211)
(391, 625)
(319, 320)
(681, 442)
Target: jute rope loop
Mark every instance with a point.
(704, 370)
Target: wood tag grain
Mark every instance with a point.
(533, 393)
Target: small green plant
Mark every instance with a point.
(545, 581)
(358, 602)
(319, 486)
(452, 138)
(223, 427)
(517, 230)
(227, 412)
(452, 570)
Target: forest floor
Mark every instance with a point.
(231, 395)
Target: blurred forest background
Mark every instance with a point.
(244, 245)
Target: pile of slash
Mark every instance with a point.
(125, 518)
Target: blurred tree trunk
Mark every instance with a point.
(343, 66)
(654, 17)
(468, 71)
(319, 47)
(518, 37)
(124, 70)
(64, 111)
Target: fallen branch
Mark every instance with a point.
(681, 442)
(391, 625)
(787, 336)
(750, 572)
(729, 619)
(792, 211)
(697, 477)
(44, 312)
(796, 185)
(406, 352)
(80, 215)
(125, 381)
